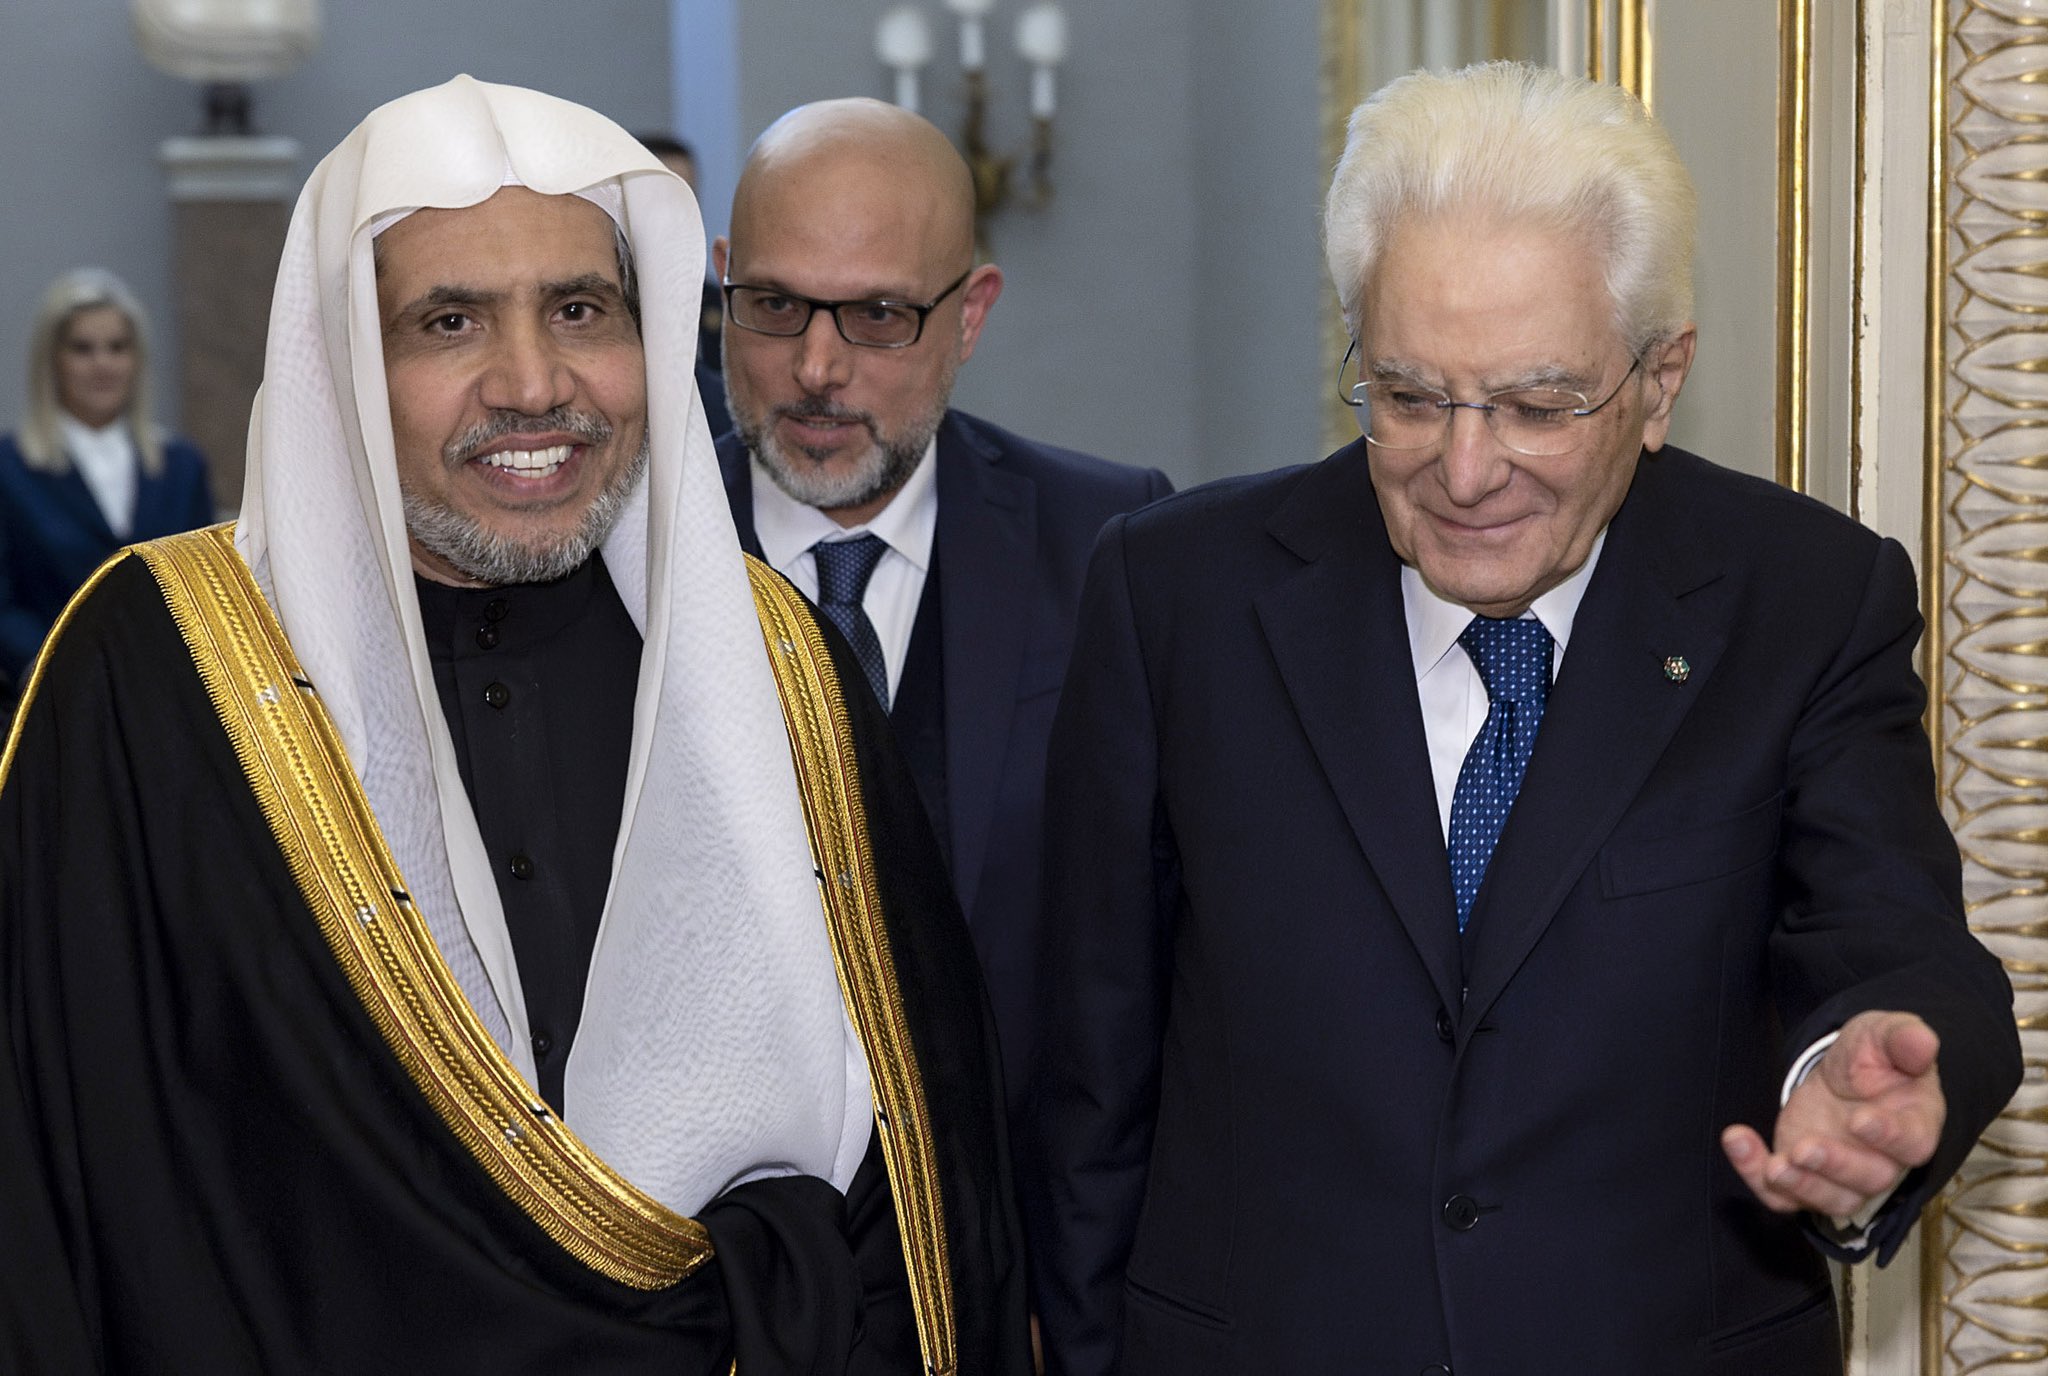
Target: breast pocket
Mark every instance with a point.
(1692, 856)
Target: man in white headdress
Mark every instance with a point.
(454, 917)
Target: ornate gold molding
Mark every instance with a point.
(1635, 68)
(1985, 1249)
(1795, 106)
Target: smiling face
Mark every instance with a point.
(850, 201)
(1472, 308)
(96, 365)
(517, 382)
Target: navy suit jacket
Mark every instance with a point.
(1293, 1122)
(52, 537)
(1016, 522)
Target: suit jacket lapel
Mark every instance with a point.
(74, 496)
(735, 471)
(1338, 633)
(1609, 718)
(985, 542)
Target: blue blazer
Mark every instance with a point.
(1296, 1123)
(1016, 522)
(52, 537)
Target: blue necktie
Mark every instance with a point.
(844, 567)
(1513, 659)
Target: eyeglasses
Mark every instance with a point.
(1536, 421)
(870, 324)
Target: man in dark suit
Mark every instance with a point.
(1460, 849)
(952, 549)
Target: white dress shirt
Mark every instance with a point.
(907, 525)
(107, 460)
(1453, 695)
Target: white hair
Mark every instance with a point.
(71, 295)
(1520, 144)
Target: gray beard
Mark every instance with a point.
(500, 560)
(883, 469)
(887, 465)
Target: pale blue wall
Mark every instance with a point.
(707, 100)
(1164, 309)
(84, 116)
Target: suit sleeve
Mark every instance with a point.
(1872, 915)
(1111, 887)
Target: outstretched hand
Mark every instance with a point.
(1868, 1113)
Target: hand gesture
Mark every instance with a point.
(1868, 1113)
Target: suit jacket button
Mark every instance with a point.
(1461, 1214)
(1437, 1369)
(1446, 1030)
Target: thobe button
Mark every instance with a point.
(497, 694)
(496, 608)
(522, 867)
(1445, 1028)
(487, 637)
(1461, 1213)
(542, 1043)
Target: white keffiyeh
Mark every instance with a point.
(714, 1047)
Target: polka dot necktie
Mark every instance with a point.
(844, 567)
(1513, 659)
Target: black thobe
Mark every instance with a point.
(211, 1159)
(536, 683)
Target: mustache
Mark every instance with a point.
(586, 427)
(818, 408)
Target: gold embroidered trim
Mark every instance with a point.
(828, 779)
(299, 772)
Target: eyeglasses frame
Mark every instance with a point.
(1485, 408)
(813, 305)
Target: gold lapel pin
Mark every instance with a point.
(1676, 669)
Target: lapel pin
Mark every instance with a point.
(1676, 669)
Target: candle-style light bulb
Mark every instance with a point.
(973, 54)
(1042, 41)
(903, 40)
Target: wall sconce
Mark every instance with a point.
(903, 41)
(225, 45)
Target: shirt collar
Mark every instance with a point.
(787, 527)
(93, 440)
(1435, 623)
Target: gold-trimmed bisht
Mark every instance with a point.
(298, 771)
(828, 780)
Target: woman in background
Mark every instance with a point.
(87, 471)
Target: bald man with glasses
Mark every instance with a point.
(949, 550)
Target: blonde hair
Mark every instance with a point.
(1522, 144)
(84, 289)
